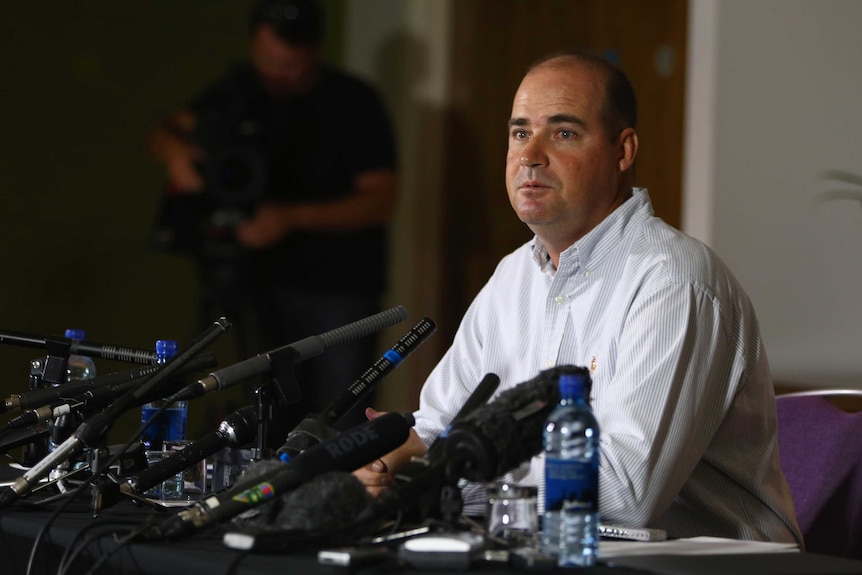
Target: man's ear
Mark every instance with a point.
(628, 149)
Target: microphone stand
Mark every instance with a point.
(282, 389)
(62, 347)
(95, 429)
(51, 371)
(47, 372)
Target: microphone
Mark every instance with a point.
(300, 350)
(422, 479)
(238, 428)
(501, 435)
(322, 510)
(348, 451)
(316, 428)
(98, 394)
(482, 445)
(39, 397)
(95, 428)
(11, 439)
(99, 350)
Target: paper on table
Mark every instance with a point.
(690, 546)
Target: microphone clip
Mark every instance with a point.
(308, 433)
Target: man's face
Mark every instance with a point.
(563, 170)
(284, 69)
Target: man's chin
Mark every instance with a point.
(532, 216)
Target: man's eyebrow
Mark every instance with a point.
(555, 119)
(566, 119)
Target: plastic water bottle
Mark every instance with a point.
(79, 366)
(571, 440)
(171, 424)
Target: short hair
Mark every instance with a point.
(294, 21)
(620, 109)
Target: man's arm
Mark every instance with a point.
(170, 143)
(676, 376)
(371, 203)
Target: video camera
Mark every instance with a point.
(234, 169)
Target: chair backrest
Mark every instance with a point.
(820, 446)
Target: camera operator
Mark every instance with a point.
(290, 167)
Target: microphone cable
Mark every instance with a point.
(74, 548)
(203, 339)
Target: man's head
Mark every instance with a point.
(572, 147)
(285, 44)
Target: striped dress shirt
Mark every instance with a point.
(681, 385)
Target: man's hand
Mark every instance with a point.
(182, 171)
(378, 475)
(171, 143)
(269, 224)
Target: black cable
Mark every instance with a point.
(44, 530)
(86, 483)
(167, 369)
(233, 566)
(71, 553)
(120, 544)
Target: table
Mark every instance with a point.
(204, 552)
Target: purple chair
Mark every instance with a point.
(821, 455)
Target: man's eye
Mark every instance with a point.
(567, 134)
(519, 134)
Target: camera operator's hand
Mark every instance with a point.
(171, 143)
(182, 171)
(269, 224)
(370, 204)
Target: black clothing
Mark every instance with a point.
(302, 148)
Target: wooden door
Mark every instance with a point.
(494, 41)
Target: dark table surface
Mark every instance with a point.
(101, 539)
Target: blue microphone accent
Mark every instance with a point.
(393, 356)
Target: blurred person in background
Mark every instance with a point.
(282, 182)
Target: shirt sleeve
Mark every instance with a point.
(454, 377)
(678, 368)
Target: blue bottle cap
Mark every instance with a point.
(166, 347)
(78, 334)
(572, 385)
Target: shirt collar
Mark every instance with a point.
(602, 239)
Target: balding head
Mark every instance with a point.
(619, 106)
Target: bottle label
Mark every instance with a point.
(571, 485)
(169, 426)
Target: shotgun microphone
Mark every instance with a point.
(316, 428)
(299, 350)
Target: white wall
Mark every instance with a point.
(775, 99)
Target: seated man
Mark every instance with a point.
(681, 384)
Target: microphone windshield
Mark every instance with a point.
(325, 504)
(499, 436)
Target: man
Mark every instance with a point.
(292, 165)
(681, 385)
